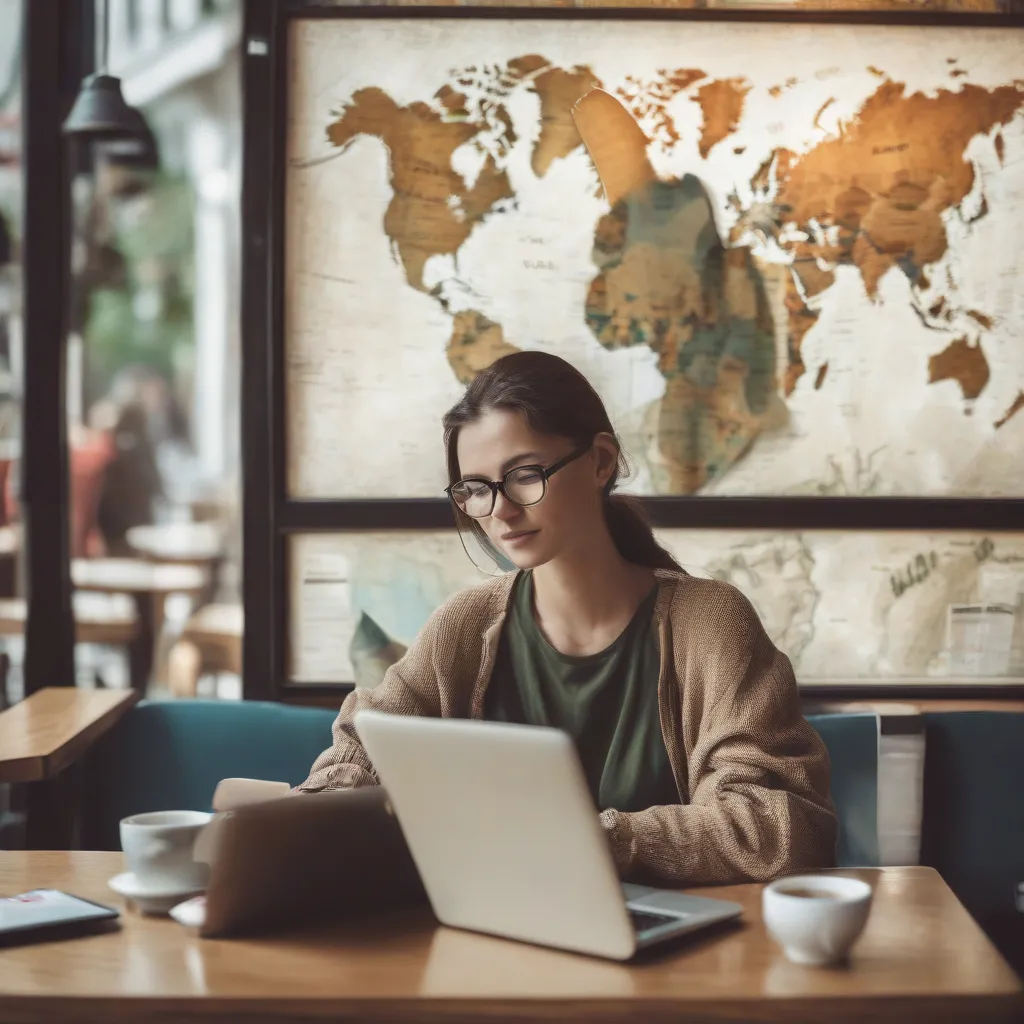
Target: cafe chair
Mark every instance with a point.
(210, 643)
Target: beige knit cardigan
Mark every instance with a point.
(752, 774)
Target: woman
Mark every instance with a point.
(685, 715)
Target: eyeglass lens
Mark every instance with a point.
(524, 486)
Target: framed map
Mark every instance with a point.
(847, 608)
(810, 335)
(835, 301)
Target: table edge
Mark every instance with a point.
(38, 767)
(981, 1006)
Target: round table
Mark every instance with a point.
(188, 543)
(99, 618)
(135, 575)
(149, 584)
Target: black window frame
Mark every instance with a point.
(58, 51)
(271, 517)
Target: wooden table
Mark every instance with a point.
(921, 958)
(148, 583)
(99, 618)
(188, 543)
(44, 735)
(134, 576)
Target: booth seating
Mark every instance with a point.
(165, 755)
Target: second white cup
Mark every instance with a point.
(816, 918)
(158, 847)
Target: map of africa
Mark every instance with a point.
(823, 293)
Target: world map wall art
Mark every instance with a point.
(824, 294)
(817, 292)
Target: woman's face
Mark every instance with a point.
(566, 517)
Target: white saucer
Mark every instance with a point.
(150, 901)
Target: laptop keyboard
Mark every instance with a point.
(644, 921)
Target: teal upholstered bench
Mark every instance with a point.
(973, 832)
(166, 755)
(852, 742)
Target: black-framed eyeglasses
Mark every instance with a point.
(523, 486)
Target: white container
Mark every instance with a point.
(159, 850)
(820, 926)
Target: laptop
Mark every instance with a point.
(298, 860)
(506, 838)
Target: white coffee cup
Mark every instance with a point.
(816, 918)
(158, 847)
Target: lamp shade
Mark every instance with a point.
(139, 153)
(100, 111)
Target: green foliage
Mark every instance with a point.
(147, 319)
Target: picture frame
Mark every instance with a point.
(272, 517)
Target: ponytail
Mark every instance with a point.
(631, 531)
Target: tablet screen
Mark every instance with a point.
(44, 908)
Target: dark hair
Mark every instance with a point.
(556, 400)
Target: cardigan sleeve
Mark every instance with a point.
(410, 687)
(758, 773)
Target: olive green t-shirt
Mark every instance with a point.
(607, 702)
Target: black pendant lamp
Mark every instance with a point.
(137, 153)
(99, 111)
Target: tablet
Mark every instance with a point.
(292, 861)
(49, 913)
